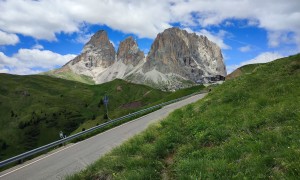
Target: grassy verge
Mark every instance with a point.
(246, 128)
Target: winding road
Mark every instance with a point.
(75, 157)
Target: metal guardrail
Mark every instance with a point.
(69, 138)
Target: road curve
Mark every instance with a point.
(75, 157)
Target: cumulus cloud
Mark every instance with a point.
(37, 46)
(261, 58)
(43, 19)
(8, 38)
(274, 16)
(83, 38)
(32, 61)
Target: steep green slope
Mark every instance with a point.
(247, 69)
(69, 75)
(246, 128)
(33, 109)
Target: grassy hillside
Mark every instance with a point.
(69, 75)
(246, 128)
(33, 109)
(247, 69)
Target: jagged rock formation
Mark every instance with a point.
(187, 54)
(177, 55)
(97, 55)
(177, 59)
(129, 52)
(128, 58)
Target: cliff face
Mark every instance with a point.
(99, 51)
(177, 59)
(129, 52)
(97, 55)
(186, 54)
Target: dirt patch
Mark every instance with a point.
(134, 104)
(234, 74)
(119, 88)
(166, 173)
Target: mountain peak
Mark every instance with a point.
(176, 59)
(129, 52)
(98, 40)
(186, 54)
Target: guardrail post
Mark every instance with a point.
(21, 161)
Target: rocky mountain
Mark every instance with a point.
(177, 59)
(129, 52)
(97, 55)
(177, 56)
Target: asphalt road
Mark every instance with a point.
(75, 157)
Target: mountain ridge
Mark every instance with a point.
(177, 59)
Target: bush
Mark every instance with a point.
(3, 144)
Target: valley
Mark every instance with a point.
(35, 108)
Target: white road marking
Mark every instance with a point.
(36, 161)
(165, 107)
(67, 148)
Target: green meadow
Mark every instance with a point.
(246, 128)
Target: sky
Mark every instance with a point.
(41, 35)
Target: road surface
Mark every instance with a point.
(75, 157)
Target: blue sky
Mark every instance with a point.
(37, 36)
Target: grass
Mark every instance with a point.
(69, 75)
(247, 69)
(33, 109)
(246, 128)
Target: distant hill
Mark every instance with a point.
(246, 128)
(33, 109)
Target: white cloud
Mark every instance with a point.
(246, 48)
(8, 38)
(4, 70)
(32, 61)
(37, 46)
(83, 38)
(261, 58)
(228, 24)
(112, 43)
(274, 16)
(43, 19)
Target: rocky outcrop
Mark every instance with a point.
(99, 51)
(129, 52)
(97, 55)
(186, 54)
(177, 59)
